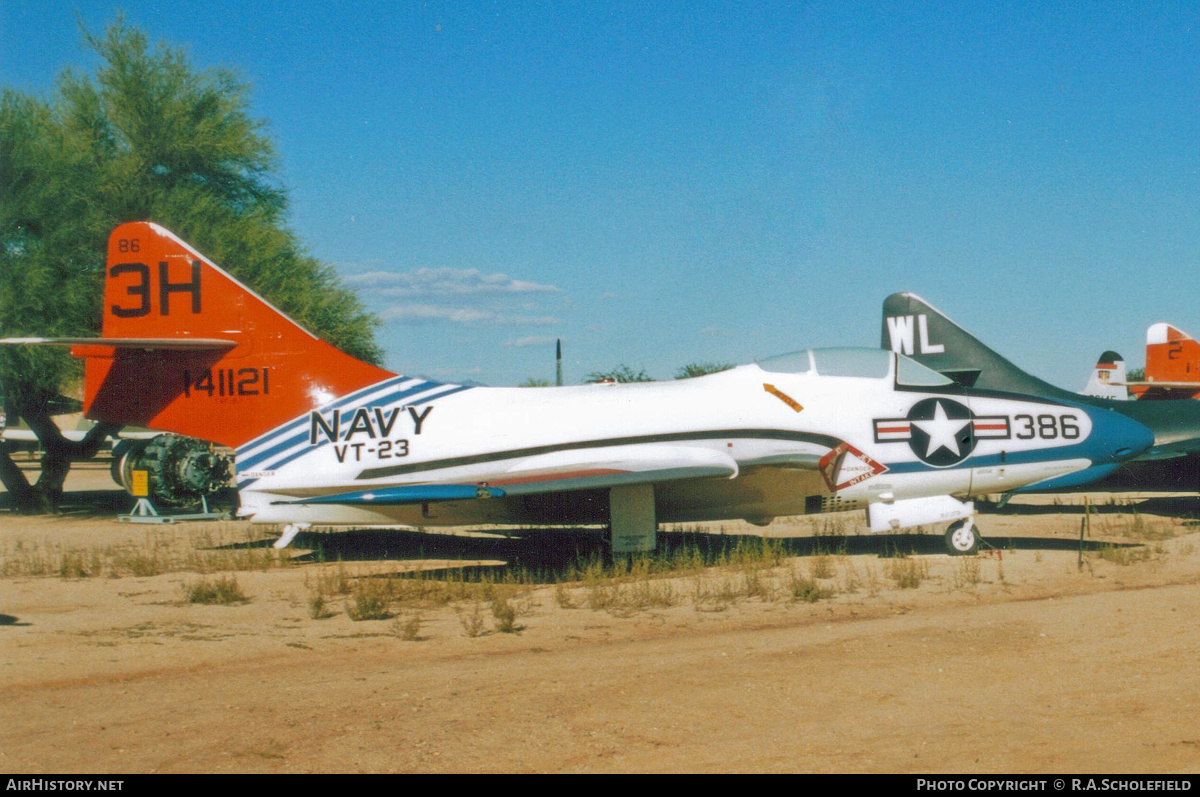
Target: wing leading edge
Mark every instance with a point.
(575, 469)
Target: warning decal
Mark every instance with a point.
(844, 466)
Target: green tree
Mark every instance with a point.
(700, 369)
(622, 373)
(148, 137)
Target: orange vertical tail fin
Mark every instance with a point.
(1172, 365)
(1172, 355)
(219, 362)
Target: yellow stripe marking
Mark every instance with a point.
(784, 397)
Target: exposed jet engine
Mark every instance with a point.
(180, 470)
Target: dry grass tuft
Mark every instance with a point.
(967, 571)
(907, 572)
(410, 629)
(806, 590)
(369, 600)
(504, 616)
(1123, 555)
(821, 566)
(472, 623)
(222, 591)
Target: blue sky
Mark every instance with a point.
(658, 184)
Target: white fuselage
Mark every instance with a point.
(776, 443)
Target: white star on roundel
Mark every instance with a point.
(942, 431)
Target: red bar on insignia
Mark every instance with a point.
(892, 430)
(991, 427)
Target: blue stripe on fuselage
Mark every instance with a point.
(383, 401)
(266, 454)
(995, 460)
(293, 425)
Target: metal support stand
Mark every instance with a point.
(143, 509)
(144, 512)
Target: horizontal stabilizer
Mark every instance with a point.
(1165, 385)
(145, 344)
(1167, 452)
(20, 435)
(406, 494)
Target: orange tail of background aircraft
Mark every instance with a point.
(187, 348)
(1172, 365)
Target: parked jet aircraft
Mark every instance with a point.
(1172, 365)
(914, 327)
(1172, 369)
(322, 438)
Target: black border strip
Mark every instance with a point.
(757, 434)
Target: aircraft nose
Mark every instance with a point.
(1115, 437)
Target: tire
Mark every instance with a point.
(962, 539)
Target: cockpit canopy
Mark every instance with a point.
(856, 362)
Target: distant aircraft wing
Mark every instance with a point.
(23, 435)
(1181, 385)
(555, 471)
(27, 436)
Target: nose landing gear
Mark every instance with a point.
(962, 538)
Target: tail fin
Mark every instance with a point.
(916, 328)
(1172, 355)
(187, 348)
(1172, 365)
(1108, 378)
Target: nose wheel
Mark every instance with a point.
(962, 538)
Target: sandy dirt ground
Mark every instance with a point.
(1030, 657)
